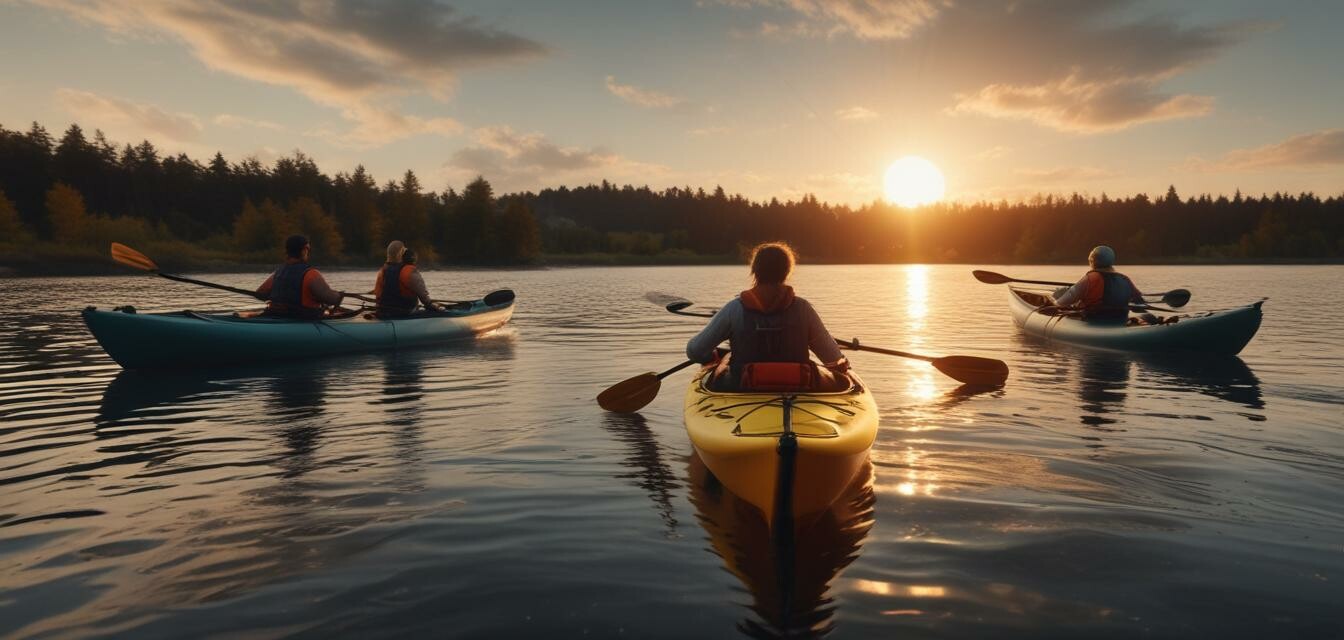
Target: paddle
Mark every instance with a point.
(633, 394)
(1174, 298)
(492, 299)
(127, 256)
(966, 369)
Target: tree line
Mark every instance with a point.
(78, 191)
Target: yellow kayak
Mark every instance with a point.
(742, 438)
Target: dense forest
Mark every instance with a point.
(67, 198)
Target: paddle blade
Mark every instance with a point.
(989, 277)
(972, 370)
(1176, 297)
(503, 296)
(678, 306)
(631, 395)
(123, 254)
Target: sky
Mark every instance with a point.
(767, 98)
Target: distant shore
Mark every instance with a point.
(12, 266)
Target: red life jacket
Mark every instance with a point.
(1107, 296)
(774, 331)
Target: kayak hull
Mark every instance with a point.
(1223, 332)
(187, 339)
(737, 435)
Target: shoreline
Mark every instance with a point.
(11, 268)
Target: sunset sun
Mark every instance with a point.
(913, 181)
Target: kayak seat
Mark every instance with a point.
(779, 377)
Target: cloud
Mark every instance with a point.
(863, 19)
(1074, 66)
(231, 121)
(856, 113)
(139, 117)
(1065, 174)
(527, 160)
(1306, 151)
(355, 55)
(642, 97)
(992, 153)
(835, 187)
(1080, 106)
(709, 131)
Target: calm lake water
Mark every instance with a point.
(478, 491)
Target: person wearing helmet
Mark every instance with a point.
(1103, 293)
(296, 289)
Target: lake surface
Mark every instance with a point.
(478, 491)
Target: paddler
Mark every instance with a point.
(1103, 293)
(296, 289)
(409, 291)
(770, 331)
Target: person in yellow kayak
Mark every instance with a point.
(1103, 293)
(296, 289)
(770, 331)
(399, 287)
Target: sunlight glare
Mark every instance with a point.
(913, 181)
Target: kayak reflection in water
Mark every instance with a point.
(1103, 293)
(296, 289)
(407, 290)
(770, 331)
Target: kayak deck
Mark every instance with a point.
(1225, 331)
(187, 339)
(738, 436)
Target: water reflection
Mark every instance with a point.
(648, 469)
(1103, 385)
(789, 584)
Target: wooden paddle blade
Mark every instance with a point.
(1176, 297)
(989, 277)
(503, 296)
(972, 370)
(123, 254)
(631, 395)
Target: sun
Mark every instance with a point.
(913, 181)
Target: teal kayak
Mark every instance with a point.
(187, 339)
(1225, 332)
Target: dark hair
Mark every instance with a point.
(772, 262)
(408, 256)
(294, 246)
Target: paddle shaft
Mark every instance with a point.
(855, 346)
(989, 277)
(212, 285)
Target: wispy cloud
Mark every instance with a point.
(992, 153)
(1080, 106)
(1306, 151)
(350, 54)
(1064, 174)
(231, 121)
(642, 97)
(709, 131)
(864, 19)
(528, 160)
(856, 113)
(1081, 67)
(133, 118)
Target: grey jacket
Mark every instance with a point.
(731, 319)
